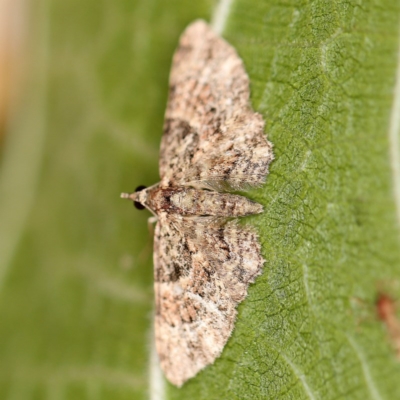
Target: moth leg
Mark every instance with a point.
(150, 224)
(152, 220)
(147, 250)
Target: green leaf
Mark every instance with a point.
(75, 272)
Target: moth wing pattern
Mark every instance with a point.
(212, 137)
(203, 266)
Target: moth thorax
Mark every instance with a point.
(184, 200)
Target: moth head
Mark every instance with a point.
(139, 197)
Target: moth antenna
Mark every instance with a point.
(125, 195)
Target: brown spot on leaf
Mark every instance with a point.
(386, 310)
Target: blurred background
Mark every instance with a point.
(83, 87)
(13, 35)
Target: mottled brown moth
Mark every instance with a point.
(213, 144)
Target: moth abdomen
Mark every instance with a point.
(204, 202)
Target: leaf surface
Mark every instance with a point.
(75, 261)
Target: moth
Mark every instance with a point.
(213, 145)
